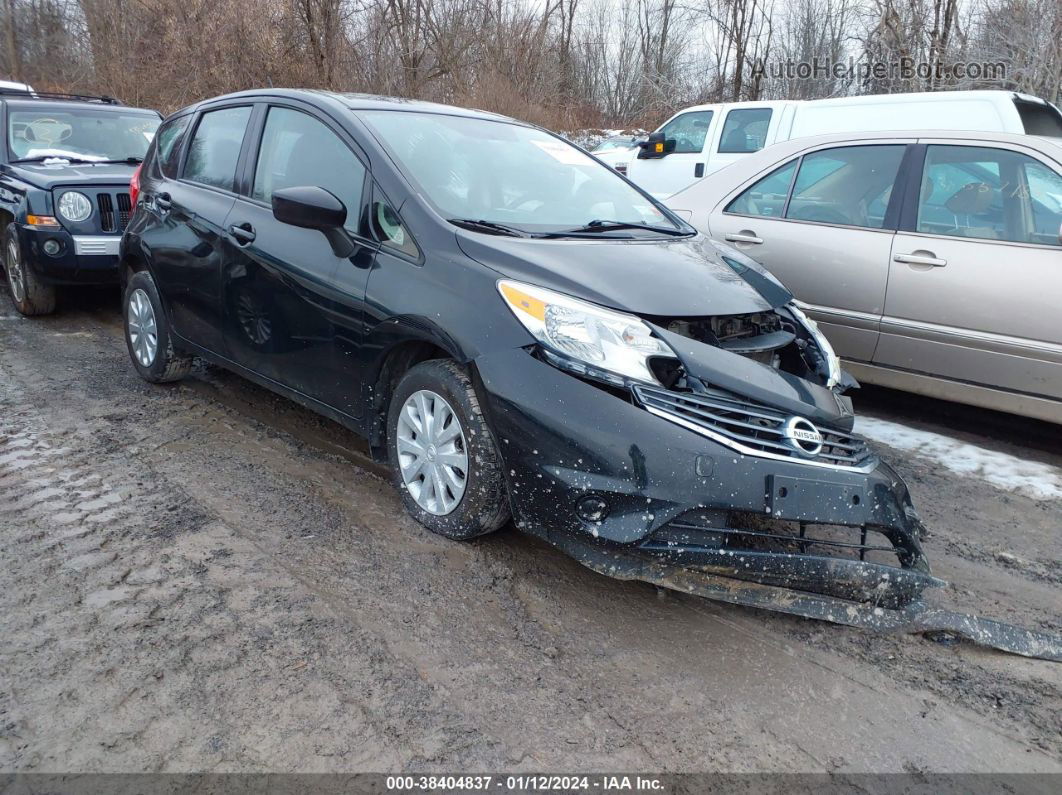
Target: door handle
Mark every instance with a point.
(743, 237)
(921, 259)
(163, 201)
(242, 234)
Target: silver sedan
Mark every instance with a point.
(932, 260)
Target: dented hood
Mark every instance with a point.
(743, 376)
(678, 277)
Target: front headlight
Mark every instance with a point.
(600, 338)
(833, 364)
(74, 206)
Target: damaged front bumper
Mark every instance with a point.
(609, 471)
(633, 495)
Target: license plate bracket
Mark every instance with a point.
(822, 501)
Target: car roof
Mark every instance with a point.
(352, 101)
(991, 95)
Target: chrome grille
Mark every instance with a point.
(750, 427)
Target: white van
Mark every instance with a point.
(701, 139)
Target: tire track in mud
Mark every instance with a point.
(141, 606)
(248, 602)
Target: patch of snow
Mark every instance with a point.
(1031, 478)
(590, 138)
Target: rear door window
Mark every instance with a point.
(688, 131)
(848, 185)
(989, 194)
(745, 130)
(215, 147)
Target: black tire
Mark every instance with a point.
(169, 363)
(484, 506)
(28, 293)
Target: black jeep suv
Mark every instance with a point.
(65, 167)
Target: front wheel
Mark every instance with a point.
(147, 333)
(29, 295)
(443, 456)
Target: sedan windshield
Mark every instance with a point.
(500, 178)
(40, 132)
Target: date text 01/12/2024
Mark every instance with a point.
(523, 783)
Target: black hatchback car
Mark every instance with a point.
(65, 168)
(519, 331)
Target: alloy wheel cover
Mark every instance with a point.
(143, 331)
(15, 277)
(432, 452)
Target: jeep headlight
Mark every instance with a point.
(599, 339)
(74, 206)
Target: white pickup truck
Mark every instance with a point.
(701, 139)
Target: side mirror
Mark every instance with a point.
(310, 207)
(655, 146)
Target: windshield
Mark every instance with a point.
(82, 133)
(511, 175)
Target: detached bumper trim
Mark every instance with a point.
(96, 245)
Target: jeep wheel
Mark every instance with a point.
(29, 295)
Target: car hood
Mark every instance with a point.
(684, 277)
(53, 175)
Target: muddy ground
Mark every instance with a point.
(207, 577)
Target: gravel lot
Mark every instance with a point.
(207, 577)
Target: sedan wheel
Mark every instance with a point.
(432, 452)
(143, 331)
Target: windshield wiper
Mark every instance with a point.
(489, 226)
(132, 160)
(67, 158)
(597, 226)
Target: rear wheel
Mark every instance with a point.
(29, 295)
(442, 453)
(147, 333)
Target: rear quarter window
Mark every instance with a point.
(168, 145)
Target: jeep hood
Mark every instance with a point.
(54, 175)
(673, 277)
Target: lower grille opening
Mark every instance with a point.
(741, 531)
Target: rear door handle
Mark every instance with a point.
(163, 201)
(920, 259)
(743, 237)
(242, 234)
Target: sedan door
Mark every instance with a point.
(976, 272)
(287, 297)
(823, 224)
(186, 233)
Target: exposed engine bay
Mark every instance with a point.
(784, 339)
